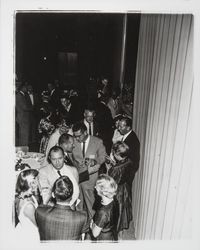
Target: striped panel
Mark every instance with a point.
(162, 121)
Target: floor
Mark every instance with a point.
(128, 234)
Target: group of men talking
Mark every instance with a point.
(79, 157)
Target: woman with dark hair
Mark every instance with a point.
(120, 170)
(45, 128)
(26, 203)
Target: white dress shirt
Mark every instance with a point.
(88, 127)
(126, 135)
(86, 144)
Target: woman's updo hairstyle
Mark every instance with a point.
(106, 186)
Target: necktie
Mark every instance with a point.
(90, 129)
(83, 149)
(68, 160)
(58, 171)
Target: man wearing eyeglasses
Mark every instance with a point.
(88, 150)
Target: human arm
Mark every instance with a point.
(101, 152)
(75, 189)
(29, 212)
(99, 222)
(44, 187)
(96, 230)
(75, 173)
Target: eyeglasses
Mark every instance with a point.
(77, 136)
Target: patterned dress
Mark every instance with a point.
(45, 128)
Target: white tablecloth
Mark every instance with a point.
(33, 159)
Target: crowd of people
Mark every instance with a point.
(82, 191)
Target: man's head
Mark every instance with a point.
(115, 92)
(29, 88)
(89, 114)
(80, 132)
(63, 189)
(23, 88)
(51, 86)
(125, 125)
(66, 142)
(65, 100)
(56, 157)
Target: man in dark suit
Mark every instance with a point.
(60, 222)
(23, 114)
(54, 95)
(34, 119)
(131, 139)
(68, 110)
(88, 150)
(105, 122)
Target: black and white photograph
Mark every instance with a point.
(100, 118)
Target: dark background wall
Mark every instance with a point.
(95, 37)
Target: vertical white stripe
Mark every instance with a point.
(162, 121)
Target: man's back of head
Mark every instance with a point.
(63, 189)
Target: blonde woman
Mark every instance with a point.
(103, 223)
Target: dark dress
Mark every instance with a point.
(120, 173)
(105, 219)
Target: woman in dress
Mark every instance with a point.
(120, 170)
(45, 128)
(25, 204)
(103, 223)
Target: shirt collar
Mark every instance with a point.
(65, 207)
(126, 135)
(87, 140)
(52, 91)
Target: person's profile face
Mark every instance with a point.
(32, 182)
(57, 159)
(80, 136)
(65, 102)
(122, 127)
(68, 146)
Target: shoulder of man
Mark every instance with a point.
(96, 139)
(42, 209)
(45, 168)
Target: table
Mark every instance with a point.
(33, 159)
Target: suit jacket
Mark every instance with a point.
(95, 128)
(105, 121)
(60, 222)
(134, 152)
(70, 161)
(95, 147)
(55, 98)
(48, 175)
(23, 108)
(73, 115)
